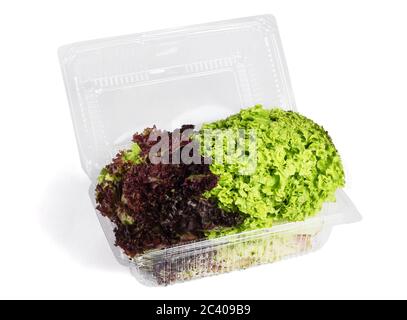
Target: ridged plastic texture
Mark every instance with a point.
(240, 251)
(118, 86)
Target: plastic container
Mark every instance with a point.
(201, 73)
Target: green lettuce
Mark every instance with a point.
(288, 170)
(133, 154)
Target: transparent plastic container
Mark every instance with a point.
(119, 86)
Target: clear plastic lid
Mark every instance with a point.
(119, 86)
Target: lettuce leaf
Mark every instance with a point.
(296, 168)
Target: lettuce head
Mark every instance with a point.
(293, 170)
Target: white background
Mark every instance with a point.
(348, 65)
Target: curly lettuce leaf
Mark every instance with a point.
(296, 169)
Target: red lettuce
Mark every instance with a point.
(159, 205)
